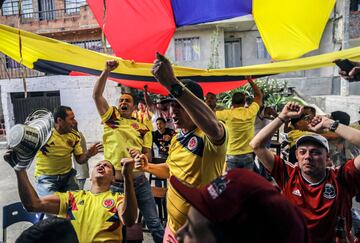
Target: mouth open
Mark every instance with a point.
(123, 108)
(100, 171)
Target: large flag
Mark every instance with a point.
(137, 28)
(53, 56)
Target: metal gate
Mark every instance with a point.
(35, 100)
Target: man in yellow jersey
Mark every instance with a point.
(121, 132)
(144, 115)
(197, 151)
(96, 215)
(53, 164)
(241, 122)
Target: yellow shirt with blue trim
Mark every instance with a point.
(295, 134)
(54, 158)
(196, 161)
(121, 133)
(94, 216)
(240, 122)
(142, 118)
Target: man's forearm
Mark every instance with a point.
(100, 84)
(130, 205)
(27, 193)
(159, 170)
(202, 116)
(259, 141)
(350, 134)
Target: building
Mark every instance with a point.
(229, 43)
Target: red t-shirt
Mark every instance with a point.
(322, 203)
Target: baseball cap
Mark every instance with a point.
(191, 85)
(250, 204)
(315, 138)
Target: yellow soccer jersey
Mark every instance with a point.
(93, 216)
(121, 133)
(240, 122)
(295, 134)
(195, 161)
(54, 158)
(142, 118)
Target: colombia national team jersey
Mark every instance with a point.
(321, 203)
(121, 133)
(54, 158)
(93, 216)
(240, 122)
(196, 161)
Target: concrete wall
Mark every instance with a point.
(205, 47)
(75, 92)
(349, 104)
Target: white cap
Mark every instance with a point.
(313, 138)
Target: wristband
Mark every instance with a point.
(281, 119)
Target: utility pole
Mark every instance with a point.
(344, 84)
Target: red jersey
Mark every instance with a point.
(321, 203)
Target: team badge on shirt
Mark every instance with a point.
(329, 191)
(217, 187)
(108, 203)
(70, 143)
(135, 126)
(192, 144)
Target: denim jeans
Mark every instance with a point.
(49, 184)
(240, 161)
(146, 204)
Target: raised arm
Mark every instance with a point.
(258, 94)
(350, 134)
(128, 209)
(200, 113)
(291, 110)
(101, 103)
(28, 195)
(92, 151)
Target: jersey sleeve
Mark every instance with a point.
(218, 148)
(64, 203)
(78, 150)
(254, 109)
(109, 114)
(147, 140)
(350, 176)
(280, 171)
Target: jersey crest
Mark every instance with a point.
(108, 203)
(329, 191)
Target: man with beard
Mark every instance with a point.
(197, 151)
(120, 133)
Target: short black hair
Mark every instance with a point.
(54, 230)
(341, 116)
(238, 98)
(161, 119)
(210, 93)
(60, 112)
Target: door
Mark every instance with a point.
(233, 56)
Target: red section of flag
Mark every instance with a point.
(136, 29)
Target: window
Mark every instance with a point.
(73, 6)
(95, 45)
(11, 63)
(187, 49)
(261, 50)
(355, 5)
(233, 53)
(11, 7)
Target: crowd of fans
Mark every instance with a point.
(225, 182)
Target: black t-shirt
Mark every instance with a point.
(160, 142)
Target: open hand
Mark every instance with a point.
(95, 149)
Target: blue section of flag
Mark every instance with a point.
(190, 12)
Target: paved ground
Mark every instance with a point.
(9, 194)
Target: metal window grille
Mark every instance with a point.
(187, 49)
